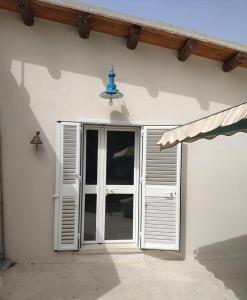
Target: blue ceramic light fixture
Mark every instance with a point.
(111, 91)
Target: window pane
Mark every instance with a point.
(120, 157)
(91, 156)
(90, 217)
(119, 217)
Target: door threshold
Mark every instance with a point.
(110, 249)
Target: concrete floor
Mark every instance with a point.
(126, 276)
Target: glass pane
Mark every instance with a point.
(119, 217)
(120, 157)
(90, 217)
(91, 156)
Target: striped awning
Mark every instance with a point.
(226, 122)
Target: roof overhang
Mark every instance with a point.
(87, 17)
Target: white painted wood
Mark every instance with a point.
(119, 189)
(104, 122)
(56, 195)
(160, 228)
(101, 189)
(66, 231)
(101, 185)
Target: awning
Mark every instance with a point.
(226, 122)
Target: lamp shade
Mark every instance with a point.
(111, 91)
(36, 139)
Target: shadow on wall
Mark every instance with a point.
(32, 186)
(29, 180)
(65, 51)
(122, 115)
(227, 260)
(68, 52)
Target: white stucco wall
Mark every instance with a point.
(47, 73)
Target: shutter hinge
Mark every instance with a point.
(78, 240)
(142, 132)
(79, 178)
(140, 238)
(55, 196)
(142, 178)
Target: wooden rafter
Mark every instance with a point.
(84, 26)
(120, 27)
(26, 12)
(187, 49)
(133, 37)
(234, 61)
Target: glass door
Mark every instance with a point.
(119, 185)
(110, 185)
(90, 184)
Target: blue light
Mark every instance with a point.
(111, 91)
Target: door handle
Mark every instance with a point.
(171, 194)
(108, 192)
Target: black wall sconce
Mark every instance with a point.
(36, 140)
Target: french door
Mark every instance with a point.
(110, 184)
(109, 191)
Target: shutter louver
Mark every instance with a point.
(160, 193)
(68, 187)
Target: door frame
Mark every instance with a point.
(101, 184)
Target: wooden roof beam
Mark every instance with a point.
(187, 49)
(84, 26)
(133, 37)
(234, 61)
(26, 12)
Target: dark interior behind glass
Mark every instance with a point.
(91, 156)
(120, 157)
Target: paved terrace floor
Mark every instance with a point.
(126, 276)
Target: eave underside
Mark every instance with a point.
(120, 28)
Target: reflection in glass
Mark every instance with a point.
(90, 217)
(119, 217)
(120, 157)
(91, 156)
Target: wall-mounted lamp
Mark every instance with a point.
(111, 91)
(36, 140)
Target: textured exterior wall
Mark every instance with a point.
(47, 73)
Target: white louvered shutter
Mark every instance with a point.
(66, 233)
(160, 193)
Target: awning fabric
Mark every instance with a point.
(226, 122)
